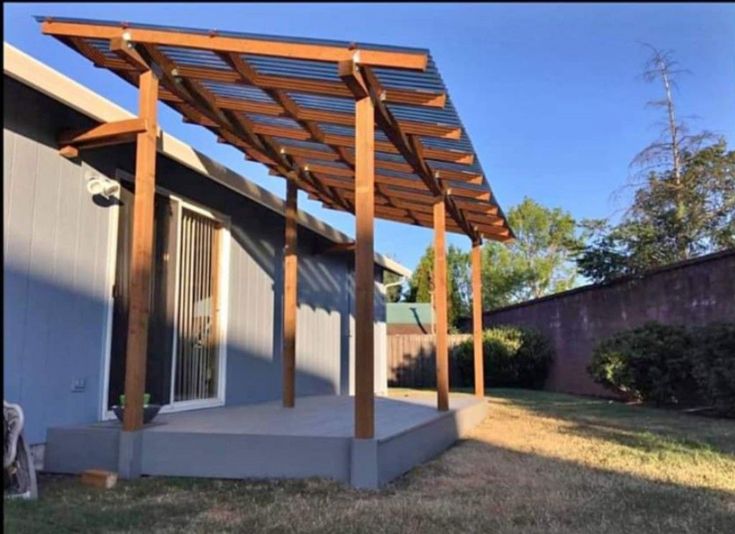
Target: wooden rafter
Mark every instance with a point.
(377, 58)
(261, 147)
(248, 75)
(108, 133)
(408, 146)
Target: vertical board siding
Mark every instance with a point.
(55, 276)
(412, 359)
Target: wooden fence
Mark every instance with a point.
(412, 360)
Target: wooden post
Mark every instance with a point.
(290, 294)
(477, 317)
(364, 267)
(142, 254)
(440, 303)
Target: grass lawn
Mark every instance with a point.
(540, 463)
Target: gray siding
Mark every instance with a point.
(57, 288)
(55, 277)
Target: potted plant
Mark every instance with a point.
(149, 410)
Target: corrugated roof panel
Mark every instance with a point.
(284, 122)
(324, 103)
(194, 58)
(400, 80)
(244, 92)
(298, 68)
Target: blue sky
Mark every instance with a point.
(550, 94)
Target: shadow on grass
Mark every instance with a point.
(646, 428)
(473, 487)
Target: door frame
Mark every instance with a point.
(222, 288)
(223, 304)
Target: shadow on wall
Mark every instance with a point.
(55, 325)
(416, 367)
(53, 339)
(54, 347)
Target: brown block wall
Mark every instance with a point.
(694, 292)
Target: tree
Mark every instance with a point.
(655, 232)
(537, 263)
(666, 155)
(684, 201)
(421, 283)
(668, 150)
(394, 293)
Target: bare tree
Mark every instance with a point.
(675, 138)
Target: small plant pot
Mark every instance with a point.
(149, 412)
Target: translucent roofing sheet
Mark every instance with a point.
(411, 82)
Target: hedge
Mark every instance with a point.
(513, 357)
(670, 365)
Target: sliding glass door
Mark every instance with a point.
(196, 350)
(184, 357)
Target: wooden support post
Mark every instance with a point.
(364, 267)
(142, 255)
(477, 317)
(290, 294)
(440, 303)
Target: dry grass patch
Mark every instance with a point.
(540, 463)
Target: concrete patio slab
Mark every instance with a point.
(313, 439)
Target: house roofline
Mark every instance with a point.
(47, 80)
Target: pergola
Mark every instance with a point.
(361, 128)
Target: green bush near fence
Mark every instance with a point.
(670, 365)
(513, 356)
(713, 365)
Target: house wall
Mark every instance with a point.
(58, 248)
(56, 285)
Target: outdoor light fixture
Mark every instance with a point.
(99, 185)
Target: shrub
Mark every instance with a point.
(648, 363)
(513, 357)
(713, 365)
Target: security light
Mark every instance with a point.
(98, 185)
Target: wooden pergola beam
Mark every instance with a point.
(141, 255)
(408, 146)
(108, 133)
(459, 176)
(240, 45)
(249, 75)
(426, 129)
(290, 294)
(388, 147)
(406, 183)
(479, 364)
(235, 130)
(488, 224)
(233, 118)
(310, 86)
(364, 269)
(124, 49)
(440, 305)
